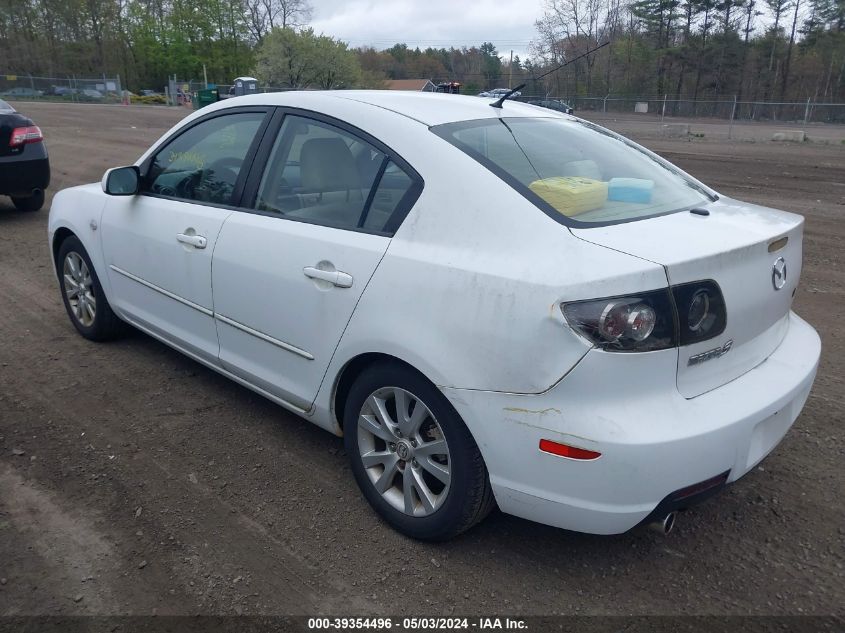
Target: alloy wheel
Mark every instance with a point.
(79, 289)
(404, 451)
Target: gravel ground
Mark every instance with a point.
(643, 126)
(135, 481)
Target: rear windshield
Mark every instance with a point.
(578, 173)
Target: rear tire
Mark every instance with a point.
(83, 295)
(423, 472)
(31, 203)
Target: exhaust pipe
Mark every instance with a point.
(665, 525)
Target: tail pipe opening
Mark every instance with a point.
(663, 517)
(665, 524)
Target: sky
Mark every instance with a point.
(509, 24)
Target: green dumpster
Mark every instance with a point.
(206, 97)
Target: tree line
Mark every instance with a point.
(754, 49)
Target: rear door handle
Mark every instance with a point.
(197, 241)
(336, 277)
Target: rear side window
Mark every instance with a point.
(394, 189)
(320, 173)
(203, 164)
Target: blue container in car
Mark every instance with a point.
(630, 190)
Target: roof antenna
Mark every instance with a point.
(499, 102)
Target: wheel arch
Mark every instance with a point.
(61, 234)
(354, 368)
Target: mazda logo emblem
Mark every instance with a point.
(779, 273)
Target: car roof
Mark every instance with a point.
(427, 108)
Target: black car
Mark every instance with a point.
(24, 165)
(554, 104)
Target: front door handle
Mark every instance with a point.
(197, 241)
(336, 277)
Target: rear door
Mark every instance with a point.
(288, 275)
(157, 245)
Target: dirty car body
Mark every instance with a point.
(615, 338)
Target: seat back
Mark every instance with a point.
(327, 165)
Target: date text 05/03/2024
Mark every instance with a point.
(417, 623)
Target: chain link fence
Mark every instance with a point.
(726, 108)
(69, 89)
(103, 89)
(179, 91)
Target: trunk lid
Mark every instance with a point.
(738, 246)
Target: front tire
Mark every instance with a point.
(83, 295)
(412, 456)
(30, 203)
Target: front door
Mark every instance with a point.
(158, 244)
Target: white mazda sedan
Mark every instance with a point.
(493, 305)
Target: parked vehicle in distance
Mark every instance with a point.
(91, 93)
(498, 93)
(492, 306)
(554, 104)
(21, 92)
(63, 91)
(151, 93)
(24, 165)
(449, 87)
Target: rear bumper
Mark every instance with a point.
(652, 440)
(20, 174)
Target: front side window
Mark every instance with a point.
(203, 163)
(578, 173)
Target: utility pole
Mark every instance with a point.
(204, 76)
(510, 77)
(733, 114)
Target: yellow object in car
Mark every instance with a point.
(571, 195)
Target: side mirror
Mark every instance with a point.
(122, 181)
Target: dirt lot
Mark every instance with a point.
(135, 481)
(646, 126)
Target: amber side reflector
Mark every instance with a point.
(778, 244)
(564, 450)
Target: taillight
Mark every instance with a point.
(638, 323)
(701, 311)
(649, 321)
(23, 135)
